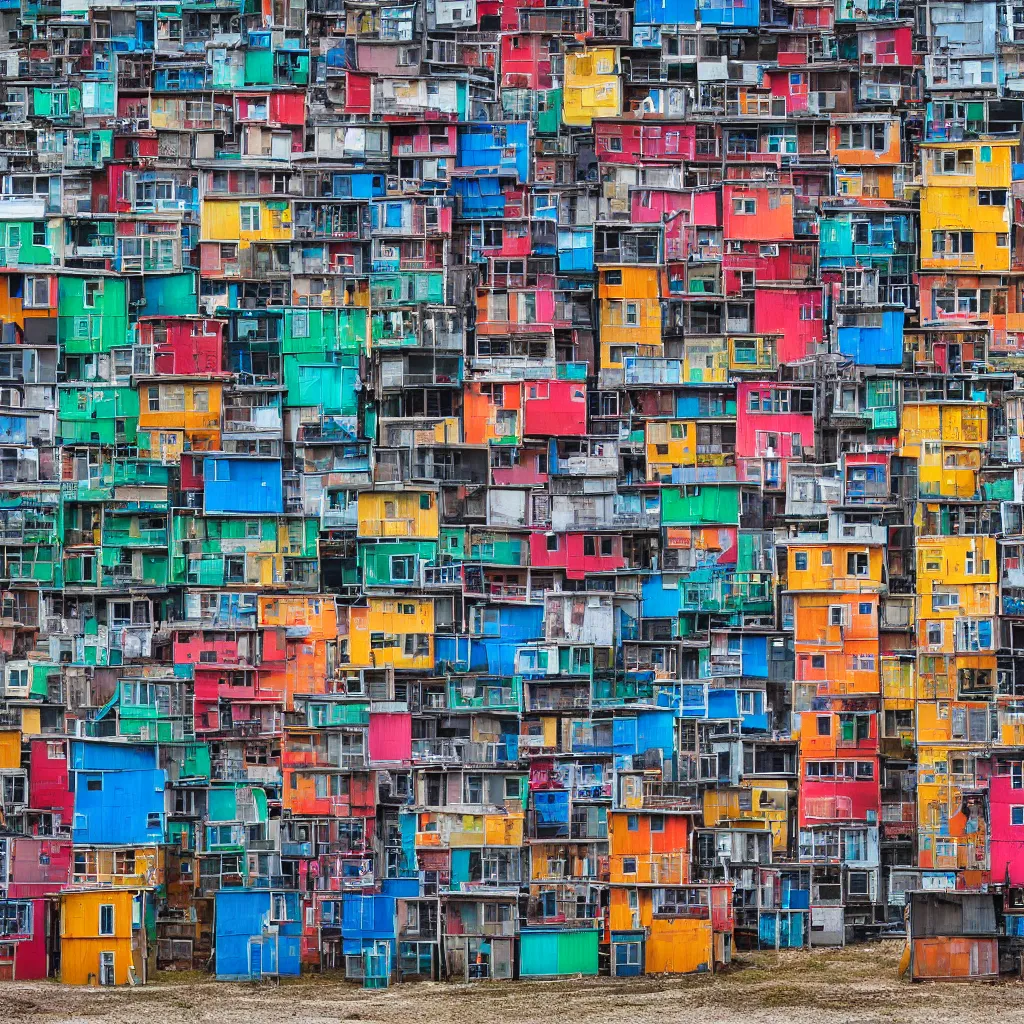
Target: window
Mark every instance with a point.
(953, 243)
(15, 917)
(800, 561)
(837, 615)
(279, 907)
(657, 822)
(826, 558)
(956, 161)
(403, 568)
(91, 291)
(744, 207)
(1017, 815)
(249, 216)
(627, 954)
(991, 196)
(857, 563)
(864, 136)
(824, 725)
(632, 823)
(37, 293)
(106, 919)
(858, 885)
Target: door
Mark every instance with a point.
(280, 146)
(255, 960)
(107, 969)
(628, 959)
(501, 959)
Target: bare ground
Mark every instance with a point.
(857, 985)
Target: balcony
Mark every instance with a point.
(899, 813)
(441, 577)
(458, 751)
(656, 869)
(670, 796)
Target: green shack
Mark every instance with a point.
(553, 952)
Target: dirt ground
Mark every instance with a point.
(856, 985)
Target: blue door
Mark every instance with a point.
(255, 960)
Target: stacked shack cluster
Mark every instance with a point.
(493, 489)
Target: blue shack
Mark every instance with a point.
(242, 485)
(257, 933)
(119, 794)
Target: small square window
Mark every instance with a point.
(1017, 815)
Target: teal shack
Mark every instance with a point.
(553, 952)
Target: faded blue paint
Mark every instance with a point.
(875, 346)
(243, 946)
(481, 197)
(694, 703)
(366, 919)
(170, 294)
(655, 730)
(13, 430)
(658, 601)
(754, 657)
(495, 149)
(408, 822)
(664, 12)
(551, 809)
(119, 794)
(515, 626)
(576, 250)
(242, 485)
